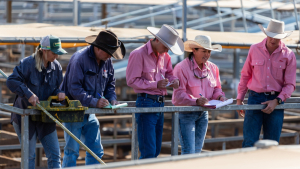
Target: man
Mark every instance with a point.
(90, 73)
(269, 73)
(148, 72)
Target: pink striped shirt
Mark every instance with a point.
(190, 86)
(263, 72)
(144, 70)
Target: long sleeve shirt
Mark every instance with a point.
(263, 72)
(84, 78)
(144, 70)
(191, 87)
(25, 81)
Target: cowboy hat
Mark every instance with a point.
(275, 29)
(108, 42)
(201, 41)
(168, 36)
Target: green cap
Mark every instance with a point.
(52, 43)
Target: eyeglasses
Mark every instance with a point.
(198, 76)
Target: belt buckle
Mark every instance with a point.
(272, 92)
(160, 98)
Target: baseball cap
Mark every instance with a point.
(52, 43)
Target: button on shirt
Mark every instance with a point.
(144, 70)
(263, 72)
(190, 86)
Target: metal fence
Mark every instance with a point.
(292, 103)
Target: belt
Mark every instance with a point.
(158, 98)
(269, 93)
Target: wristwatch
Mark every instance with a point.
(278, 100)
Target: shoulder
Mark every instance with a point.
(80, 56)
(138, 51)
(212, 66)
(28, 60)
(57, 65)
(182, 65)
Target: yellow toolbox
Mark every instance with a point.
(73, 111)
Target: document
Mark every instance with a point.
(115, 106)
(214, 104)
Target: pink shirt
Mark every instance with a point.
(263, 72)
(144, 70)
(190, 86)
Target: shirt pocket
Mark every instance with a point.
(194, 86)
(90, 81)
(257, 66)
(149, 74)
(278, 69)
(211, 81)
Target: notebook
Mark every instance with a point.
(214, 104)
(115, 106)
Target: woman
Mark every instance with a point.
(199, 83)
(36, 78)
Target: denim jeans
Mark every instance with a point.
(51, 148)
(150, 128)
(192, 131)
(255, 119)
(89, 133)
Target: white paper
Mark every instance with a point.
(219, 103)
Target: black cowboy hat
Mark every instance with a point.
(108, 42)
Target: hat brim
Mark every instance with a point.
(117, 53)
(59, 51)
(275, 35)
(190, 44)
(177, 48)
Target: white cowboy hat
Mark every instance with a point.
(201, 41)
(275, 29)
(168, 36)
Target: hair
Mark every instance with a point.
(191, 53)
(39, 58)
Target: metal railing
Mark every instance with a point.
(292, 103)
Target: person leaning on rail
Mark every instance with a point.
(269, 73)
(90, 79)
(199, 82)
(148, 72)
(36, 78)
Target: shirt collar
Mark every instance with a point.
(150, 51)
(92, 53)
(196, 65)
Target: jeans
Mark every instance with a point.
(192, 131)
(254, 119)
(150, 128)
(51, 148)
(89, 133)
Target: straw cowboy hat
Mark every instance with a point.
(275, 30)
(108, 42)
(201, 41)
(168, 36)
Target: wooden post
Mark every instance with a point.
(103, 13)
(8, 11)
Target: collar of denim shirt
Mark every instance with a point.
(92, 54)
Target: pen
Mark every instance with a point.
(200, 94)
(162, 76)
(101, 96)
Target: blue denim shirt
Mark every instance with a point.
(25, 81)
(84, 78)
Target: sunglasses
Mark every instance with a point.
(198, 76)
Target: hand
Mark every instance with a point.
(114, 102)
(271, 104)
(102, 103)
(61, 96)
(201, 101)
(175, 84)
(241, 112)
(33, 100)
(222, 98)
(162, 83)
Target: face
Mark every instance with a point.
(101, 55)
(201, 55)
(272, 43)
(51, 56)
(160, 48)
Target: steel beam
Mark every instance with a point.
(175, 133)
(25, 142)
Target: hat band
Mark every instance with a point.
(119, 44)
(45, 47)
